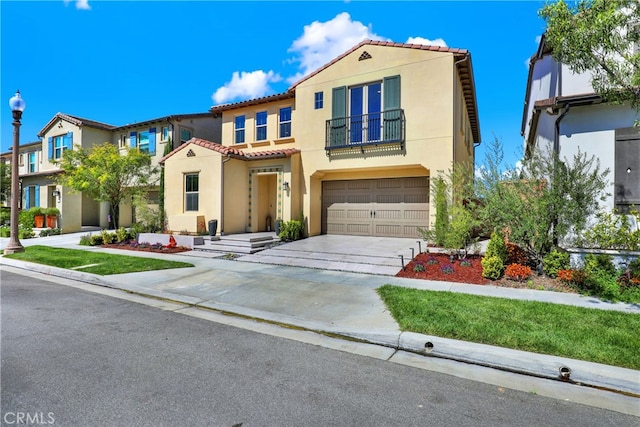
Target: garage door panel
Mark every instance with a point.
(393, 207)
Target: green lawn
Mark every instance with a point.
(93, 262)
(601, 336)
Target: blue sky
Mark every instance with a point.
(129, 61)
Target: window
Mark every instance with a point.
(21, 160)
(123, 140)
(32, 162)
(191, 187)
(164, 134)
(143, 141)
(239, 129)
(185, 135)
(285, 122)
(365, 107)
(261, 126)
(318, 102)
(58, 146)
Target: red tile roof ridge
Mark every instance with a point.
(225, 150)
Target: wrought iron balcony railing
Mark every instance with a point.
(385, 127)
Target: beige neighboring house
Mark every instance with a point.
(38, 168)
(350, 148)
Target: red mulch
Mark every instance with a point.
(473, 274)
(147, 248)
(463, 274)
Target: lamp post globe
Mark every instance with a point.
(17, 105)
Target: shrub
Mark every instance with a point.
(442, 215)
(107, 237)
(5, 216)
(5, 231)
(432, 260)
(291, 230)
(612, 231)
(565, 276)
(26, 218)
(50, 232)
(465, 263)
(95, 240)
(516, 255)
(447, 268)
(599, 263)
(492, 267)
(497, 247)
(518, 272)
(554, 261)
(418, 267)
(85, 240)
(122, 234)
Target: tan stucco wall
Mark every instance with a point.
(427, 97)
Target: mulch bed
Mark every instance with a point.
(437, 266)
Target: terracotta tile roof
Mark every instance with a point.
(233, 152)
(78, 121)
(256, 101)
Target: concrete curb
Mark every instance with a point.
(578, 372)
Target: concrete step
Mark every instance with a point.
(247, 243)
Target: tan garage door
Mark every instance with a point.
(390, 207)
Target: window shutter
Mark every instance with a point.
(392, 115)
(152, 141)
(132, 140)
(338, 116)
(50, 148)
(68, 141)
(27, 193)
(37, 195)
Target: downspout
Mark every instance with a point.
(222, 194)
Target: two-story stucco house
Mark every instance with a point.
(350, 148)
(562, 113)
(38, 166)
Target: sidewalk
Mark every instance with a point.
(344, 304)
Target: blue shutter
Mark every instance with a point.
(132, 140)
(37, 195)
(27, 193)
(152, 141)
(50, 148)
(392, 115)
(338, 116)
(68, 141)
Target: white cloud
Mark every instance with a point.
(321, 42)
(422, 40)
(246, 85)
(80, 4)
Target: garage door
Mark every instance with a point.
(389, 207)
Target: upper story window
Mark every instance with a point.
(185, 135)
(21, 160)
(318, 100)
(57, 145)
(261, 126)
(164, 134)
(239, 129)
(144, 141)
(32, 162)
(191, 190)
(284, 121)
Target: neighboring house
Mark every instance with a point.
(38, 166)
(563, 113)
(350, 148)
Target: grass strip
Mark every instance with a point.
(601, 336)
(96, 262)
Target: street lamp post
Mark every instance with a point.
(17, 105)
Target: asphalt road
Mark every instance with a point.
(77, 358)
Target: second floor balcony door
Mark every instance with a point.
(365, 107)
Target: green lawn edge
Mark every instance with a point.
(602, 336)
(94, 262)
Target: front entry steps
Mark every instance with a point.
(247, 243)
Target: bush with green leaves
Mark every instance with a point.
(492, 267)
(85, 240)
(442, 214)
(612, 231)
(26, 218)
(554, 261)
(497, 247)
(5, 215)
(50, 232)
(291, 230)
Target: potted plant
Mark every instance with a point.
(52, 216)
(38, 216)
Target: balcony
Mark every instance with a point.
(366, 130)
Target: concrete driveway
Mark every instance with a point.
(359, 254)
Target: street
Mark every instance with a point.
(77, 358)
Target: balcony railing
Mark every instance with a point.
(385, 127)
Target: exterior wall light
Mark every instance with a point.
(285, 186)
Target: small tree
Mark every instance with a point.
(105, 175)
(167, 149)
(5, 182)
(442, 213)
